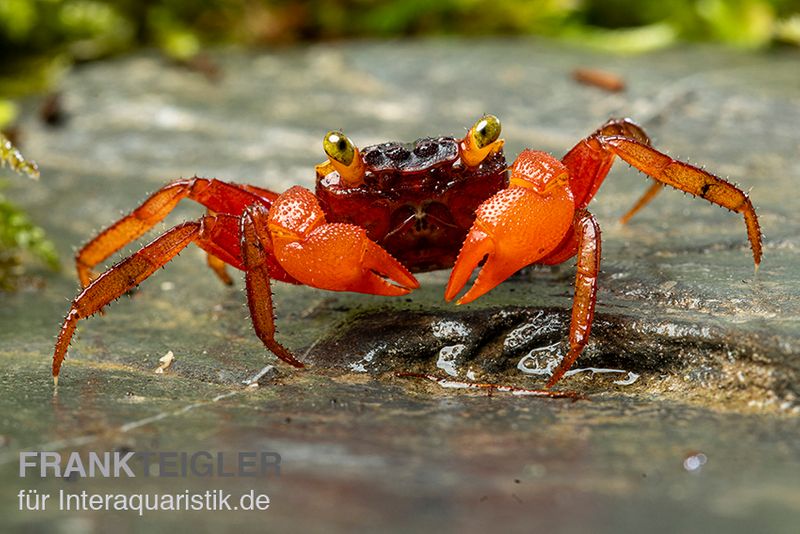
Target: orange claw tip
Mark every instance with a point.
(55, 380)
(491, 275)
(476, 247)
(383, 269)
(375, 284)
(493, 272)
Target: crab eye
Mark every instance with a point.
(338, 147)
(343, 158)
(481, 140)
(486, 131)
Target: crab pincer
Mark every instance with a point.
(516, 227)
(332, 256)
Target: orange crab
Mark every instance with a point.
(384, 212)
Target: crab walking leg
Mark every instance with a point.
(690, 179)
(222, 246)
(257, 282)
(588, 162)
(645, 199)
(216, 195)
(220, 269)
(120, 279)
(588, 234)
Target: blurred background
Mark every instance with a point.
(40, 40)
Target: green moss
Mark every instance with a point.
(87, 29)
(19, 237)
(9, 155)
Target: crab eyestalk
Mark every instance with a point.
(481, 140)
(344, 158)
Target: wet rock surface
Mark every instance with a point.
(716, 350)
(709, 365)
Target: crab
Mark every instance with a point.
(386, 211)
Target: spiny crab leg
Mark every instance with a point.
(120, 279)
(690, 179)
(336, 257)
(255, 247)
(645, 199)
(220, 268)
(588, 162)
(216, 195)
(587, 233)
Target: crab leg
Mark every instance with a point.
(590, 160)
(120, 279)
(337, 257)
(255, 244)
(220, 269)
(645, 199)
(217, 196)
(690, 179)
(587, 234)
(589, 163)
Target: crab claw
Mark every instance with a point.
(516, 227)
(337, 257)
(477, 246)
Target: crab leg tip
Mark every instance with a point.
(55, 380)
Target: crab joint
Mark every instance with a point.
(343, 158)
(538, 171)
(481, 140)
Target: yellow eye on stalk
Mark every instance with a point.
(338, 147)
(344, 158)
(481, 140)
(486, 131)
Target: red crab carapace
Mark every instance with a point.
(389, 210)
